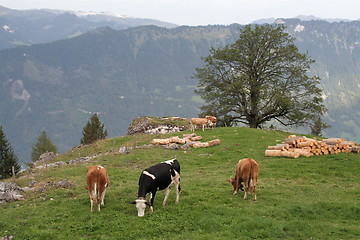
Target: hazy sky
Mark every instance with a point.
(202, 12)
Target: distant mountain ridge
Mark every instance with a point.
(26, 27)
(302, 18)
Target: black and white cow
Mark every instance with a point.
(157, 177)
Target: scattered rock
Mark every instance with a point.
(29, 189)
(51, 184)
(55, 164)
(78, 160)
(173, 146)
(60, 184)
(10, 192)
(32, 183)
(64, 184)
(7, 238)
(186, 147)
(124, 150)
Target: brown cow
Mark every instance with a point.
(247, 171)
(200, 122)
(211, 121)
(97, 180)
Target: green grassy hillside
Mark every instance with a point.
(304, 198)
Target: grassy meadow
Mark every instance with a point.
(304, 198)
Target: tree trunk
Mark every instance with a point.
(253, 123)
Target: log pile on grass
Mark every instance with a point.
(295, 146)
(191, 140)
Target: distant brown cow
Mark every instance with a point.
(211, 121)
(198, 122)
(247, 171)
(97, 180)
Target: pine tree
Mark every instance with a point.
(318, 126)
(8, 158)
(93, 130)
(43, 145)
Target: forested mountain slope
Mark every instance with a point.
(123, 74)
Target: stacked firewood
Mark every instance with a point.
(191, 140)
(295, 146)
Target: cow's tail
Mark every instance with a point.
(97, 185)
(253, 176)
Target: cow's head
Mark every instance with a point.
(233, 182)
(140, 206)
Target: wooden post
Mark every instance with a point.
(13, 172)
(134, 142)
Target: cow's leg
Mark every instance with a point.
(99, 196)
(175, 178)
(93, 199)
(246, 183)
(178, 189)
(98, 200)
(91, 204)
(166, 195)
(103, 196)
(237, 185)
(253, 186)
(254, 193)
(152, 197)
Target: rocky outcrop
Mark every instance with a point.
(10, 192)
(44, 158)
(157, 125)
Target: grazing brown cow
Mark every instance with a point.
(199, 122)
(211, 121)
(97, 180)
(247, 171)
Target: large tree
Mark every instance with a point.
(259, 78)
(8, 158)
(42, 145)
(94, 130)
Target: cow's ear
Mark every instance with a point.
(133, 202)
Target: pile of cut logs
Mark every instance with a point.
(191, 140)
(296, 146)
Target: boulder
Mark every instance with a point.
(44, 158)
(10, 192)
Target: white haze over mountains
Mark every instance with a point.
(88, 13)
(202, 12)
(110, 14)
